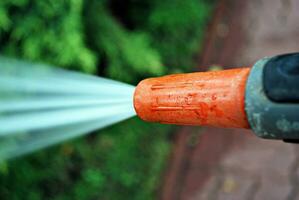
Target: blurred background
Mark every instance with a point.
(128, 40)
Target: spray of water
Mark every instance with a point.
(41, 105)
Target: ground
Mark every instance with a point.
(216, 164)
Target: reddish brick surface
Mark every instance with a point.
(220, 164)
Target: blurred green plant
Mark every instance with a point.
(125, 40)
(128, 54)
(48, 31)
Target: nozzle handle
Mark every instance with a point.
(271, 102)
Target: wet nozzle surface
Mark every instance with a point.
(203, 98)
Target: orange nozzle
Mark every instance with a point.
(213, 98)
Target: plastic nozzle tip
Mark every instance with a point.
(203, 98)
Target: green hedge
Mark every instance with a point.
(126, 40)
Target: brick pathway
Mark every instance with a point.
(220, 164)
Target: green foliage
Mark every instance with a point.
(123, 39)
(128, 54)
(179, 27)
(122, 162)
(48, 31)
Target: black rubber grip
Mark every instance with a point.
(281, 78)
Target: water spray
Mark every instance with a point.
(41, 105)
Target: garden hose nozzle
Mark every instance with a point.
(264, 98)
